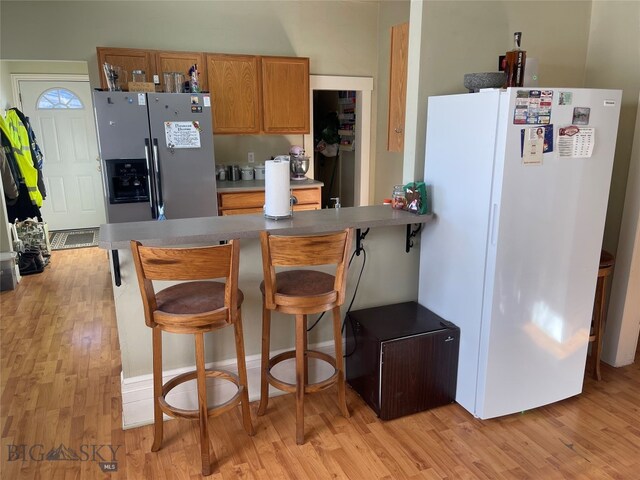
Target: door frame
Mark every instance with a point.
(42, 77)
(16, 78)
(363, 86)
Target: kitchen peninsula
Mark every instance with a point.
(389, 275)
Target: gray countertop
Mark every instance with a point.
(244, 185)
(208, 230)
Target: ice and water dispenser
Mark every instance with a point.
(128, 180)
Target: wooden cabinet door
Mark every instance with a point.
(181, 62)
(398, 86)
(127, 58)
(285, 95)
(235, 95)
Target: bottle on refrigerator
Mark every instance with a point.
(515, 63)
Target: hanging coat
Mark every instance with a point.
(17, 134)
(19, 208)
(8, 181)
(36, 153)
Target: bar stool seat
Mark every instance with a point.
(195, 306)
(193, 298)
(303, 292)
(599, 317)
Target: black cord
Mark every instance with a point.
(364, 261)
(354, 293)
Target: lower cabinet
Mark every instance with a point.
(252, 201)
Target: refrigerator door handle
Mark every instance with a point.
(149, 173)
(156, 159)
(494, 221)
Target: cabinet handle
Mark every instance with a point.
(398, 130)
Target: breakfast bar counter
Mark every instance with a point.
(209, 230)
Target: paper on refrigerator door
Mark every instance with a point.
(575, 142)
(182, 134)
(533, 146)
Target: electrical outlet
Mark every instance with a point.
(250, 157)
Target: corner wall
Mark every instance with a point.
(387, 166)
(613, 61)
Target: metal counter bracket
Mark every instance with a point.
(116, 267)
(359, 237)
(410, 234)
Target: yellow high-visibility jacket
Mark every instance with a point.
(17, 134)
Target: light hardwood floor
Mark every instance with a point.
(61, 385)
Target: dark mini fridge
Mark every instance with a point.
(402, 358)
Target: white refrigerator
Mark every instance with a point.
(520, 183)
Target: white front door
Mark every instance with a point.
(61, 115)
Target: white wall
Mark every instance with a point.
(623, 319)
(613, 61)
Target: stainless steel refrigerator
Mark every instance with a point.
(156, 154)
(520, 182)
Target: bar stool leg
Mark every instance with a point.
(337, 338)
(242, 373)
(264, 367)
(157, 389)
(202, 405)
(306, 350)
(301, 334)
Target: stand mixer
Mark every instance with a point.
(298, 163)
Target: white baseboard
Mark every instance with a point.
(137, 392)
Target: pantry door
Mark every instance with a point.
(61, 114)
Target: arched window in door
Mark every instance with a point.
(59, 98)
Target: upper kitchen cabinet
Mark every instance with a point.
(251, 94)
(285, 95)
(128, 59)
(180, 62)
(235, 92)
(398, 86)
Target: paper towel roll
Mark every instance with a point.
(277, 192)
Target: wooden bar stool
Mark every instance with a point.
(193, 307)
(303, 292)
(599, 317)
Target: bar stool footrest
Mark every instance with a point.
(216, 410)
(309, 387)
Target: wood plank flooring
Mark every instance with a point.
(60, 385)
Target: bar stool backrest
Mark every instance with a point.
(188, 264)
(302, 251)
